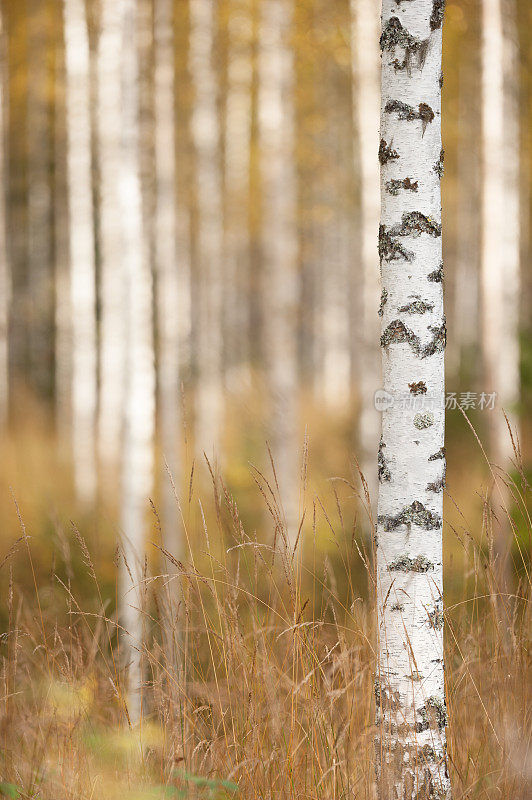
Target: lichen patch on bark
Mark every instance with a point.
(415, 514)
(406, 564)
(423, 420)
(394, 186)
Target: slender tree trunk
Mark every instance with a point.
(40, 283)
(466, 283)
(206, 137)
(139, 405)
(112, 273)
(81, 246)
(62, 310)
(411, 713)
(334, 245)
(500, 243)
(279, 245)
(5, 278)
(169, 324)
(237, 163)
(365, 53)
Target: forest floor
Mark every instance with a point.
(259, 683)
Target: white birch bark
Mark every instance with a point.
(237, 156)
(5, 277)
(366, 104)
(500, 219)
(39, 253)
(112, 276)
(81, 248)
(279, 244)
(139, 405)
(206, 139)
(169, 304)
(410, 684)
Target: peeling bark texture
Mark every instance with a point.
(365, 31)
(81, 249)
(411, 763)
(279, 244)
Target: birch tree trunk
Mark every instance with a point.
(206, 138)
(237, 165)
(39, 199)
(5, 278)
(139, 406)
(365, 55)
(466, 284)
(500, 241)
(169, 303)
(411, 713)
(112, 274)
(279, 244)
(81, 247)
(63, 316)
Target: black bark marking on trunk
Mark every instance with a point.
(438, 342)
(394, 35)
(416, 223)
(386, 152)
(433, 714)
(436, 18)
(438, 166)
(408, 113)
(384, 300)
(390, 249)
(417, 306)
(394, 186)
(436, 618)
(438, 485)
(438, 455)
(398, 607)
(406, 564)
(384, 472)
(418, 388)
(415, 514)
(398, 333)
(385, 697)
(437, 275)
(440, 80)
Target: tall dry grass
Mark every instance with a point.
(258, 660)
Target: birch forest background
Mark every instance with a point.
(189, 355)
